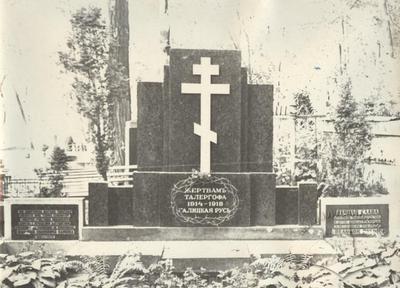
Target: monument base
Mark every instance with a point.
(148, 203)
(129, 233)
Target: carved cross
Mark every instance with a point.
(205, 69)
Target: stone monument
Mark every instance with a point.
(204, 153)
(204, 122)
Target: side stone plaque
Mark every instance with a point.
(356, 217)
(357, 220)
(204, 200)
(44, 222)
(44, 219)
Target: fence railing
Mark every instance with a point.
(75, 182)
(121, 176)
(20, 187)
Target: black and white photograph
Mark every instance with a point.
(199, 144)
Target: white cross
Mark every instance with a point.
(205, 89)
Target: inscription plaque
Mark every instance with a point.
(44, 222)
(366, 220)
(209, 201)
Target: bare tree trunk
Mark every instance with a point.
(385, 6)
(340, 59)
(119, 51)
(390, 39)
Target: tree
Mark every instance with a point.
(58, 160)
(54, 175)
(95, 76)
(305, 138)
(302, 103)
(347, 148)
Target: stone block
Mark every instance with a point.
(133, 146)
(145, 199)
(1, 221)
(308, 203)
(262, 198)
(98, 204)
(244, 122)
(150, 126)
(167, 182)
(166, 114)
(242, 182)
(152, 198)
(183, 146)
(211, 254)
(287, 210)
(260, 128)
(120, 205)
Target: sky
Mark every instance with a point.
(292, 44)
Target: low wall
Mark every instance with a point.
(297, 204)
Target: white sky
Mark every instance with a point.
(299, 36)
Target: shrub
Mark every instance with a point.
(27, 270)
(379, 267)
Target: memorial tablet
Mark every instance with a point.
(209, 200)
(44, 222)
(361, 219)
(357, 220)
(50, 220)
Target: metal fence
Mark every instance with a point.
(75, 182)
(21, 187)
